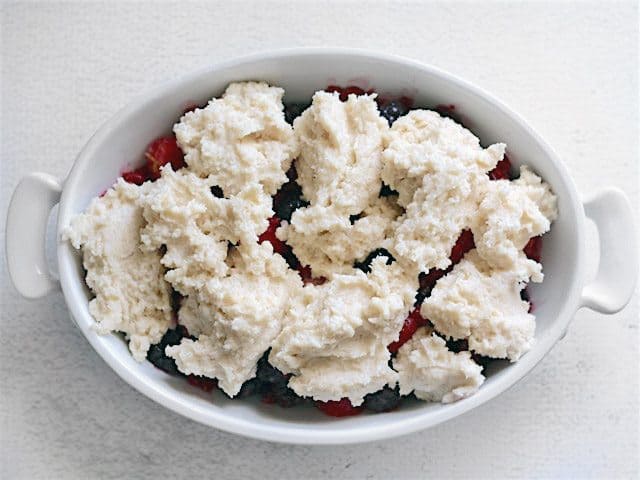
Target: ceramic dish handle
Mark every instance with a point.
(617, 273)
(26, 229)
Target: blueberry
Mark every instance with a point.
(392, 111)
(217, 192)
(524, 295)
(383, 400)
(365, 265)
(156, 354)
(293, 111)
(387, 191)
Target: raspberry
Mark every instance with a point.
(449, 111)
(533, 248)
(346, 91)
(427, 282)
(411, 324)
(137, 176)
(383, 400)
(190, 107)
(365, 265)
(269, 235)
(338, 408)
(353, 90)
(463, 245)
(161, 151)
(406, 102)
(501, 170)
(446, 110)
(307, 276)
(203, 383)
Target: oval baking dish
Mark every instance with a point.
(120, 142)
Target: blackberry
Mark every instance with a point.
(176, 300)
(291, 258)
(293, 111)
(427, 282)
(482, 360)
(249, 388)
(156, 354)
(267, 373)
(354, 218)
(392, 111)
(287, 200)
(386, 191)
(217, 192)
(285, 397)
(365, 265)
(383, 400)
(271, 383)
(457, 346)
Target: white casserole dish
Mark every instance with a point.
(120, 142)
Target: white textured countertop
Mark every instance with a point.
(571, 69)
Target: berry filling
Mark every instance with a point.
(269, 235)
(365, 265)
(270, 384)
(411, 324)
(384, 400)
(156, 353)
(203, 383)
(533, 249)
(338, 408)
(393, 110)
(463, 245)
(502, 170)
(161, 151)
(288, 198)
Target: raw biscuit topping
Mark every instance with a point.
(357, 254)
